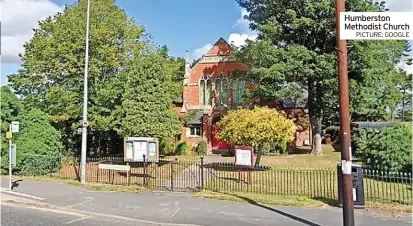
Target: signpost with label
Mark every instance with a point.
(14, 127)
(244, 159)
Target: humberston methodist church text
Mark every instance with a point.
(373, 26)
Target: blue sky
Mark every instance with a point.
(182, 25)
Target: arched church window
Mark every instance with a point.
(205, 89)
(238, 89)
(221, 90)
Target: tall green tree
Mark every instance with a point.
(51, 77)
(147, 100)
(375, 83)
(296, 53)
(10, 109)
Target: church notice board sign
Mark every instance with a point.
(244, 156)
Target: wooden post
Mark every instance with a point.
(344, 112)
(128, 174)
(239, 175)
(97, 173)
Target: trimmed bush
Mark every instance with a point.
(334, 132)
(202, 148)
(183, 148)
(38, 138)
(37, 165)
(167, 146)
(388, 150)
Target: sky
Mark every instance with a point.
(193, 25)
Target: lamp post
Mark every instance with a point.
(85, 100)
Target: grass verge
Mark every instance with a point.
(393, 210)
(263, 199)
(88, 185)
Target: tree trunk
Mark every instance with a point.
(258, 159)
(316, 147)
(315, 112)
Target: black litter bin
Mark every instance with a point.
(358, 186)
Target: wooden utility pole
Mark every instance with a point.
(347, 183)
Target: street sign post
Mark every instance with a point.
(13, 128)
(13, 154)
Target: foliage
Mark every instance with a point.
(388, 150)
(51, 77)
(404, 112)
(184, 118)
(167, 146)
(274, 149)
(294, 58)
(36, 137)
(202, 148)
(10, 109)
(376, 88)
(36, 165)
(183, 148)
(147, 101)
(257, 127)
(334, 132)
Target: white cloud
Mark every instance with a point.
(407, 68)
(201, 51)
(243, 23)
(399, 5)
(240, 39)
(18, 20)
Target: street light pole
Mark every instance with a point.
(347, 183)
(85, 100)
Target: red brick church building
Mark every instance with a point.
(209, 89)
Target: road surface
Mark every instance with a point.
(15, 215)
(174, 208)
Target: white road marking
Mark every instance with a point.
(236, 214)
(191, 208)
(88, 199)
(175, 212)
(45, 208)
(79, 219)
(81, 213)
(21, 194)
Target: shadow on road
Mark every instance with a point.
(250, 201)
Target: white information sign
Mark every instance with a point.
(152, 149)
(15, 127)
(129, 150)
(114, 167)
(139, 150)
(376, 26)
(354, 195)
(243, 157)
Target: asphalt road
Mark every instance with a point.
(29, 216)
(176, 208)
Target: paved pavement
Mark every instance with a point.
(183, 209)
